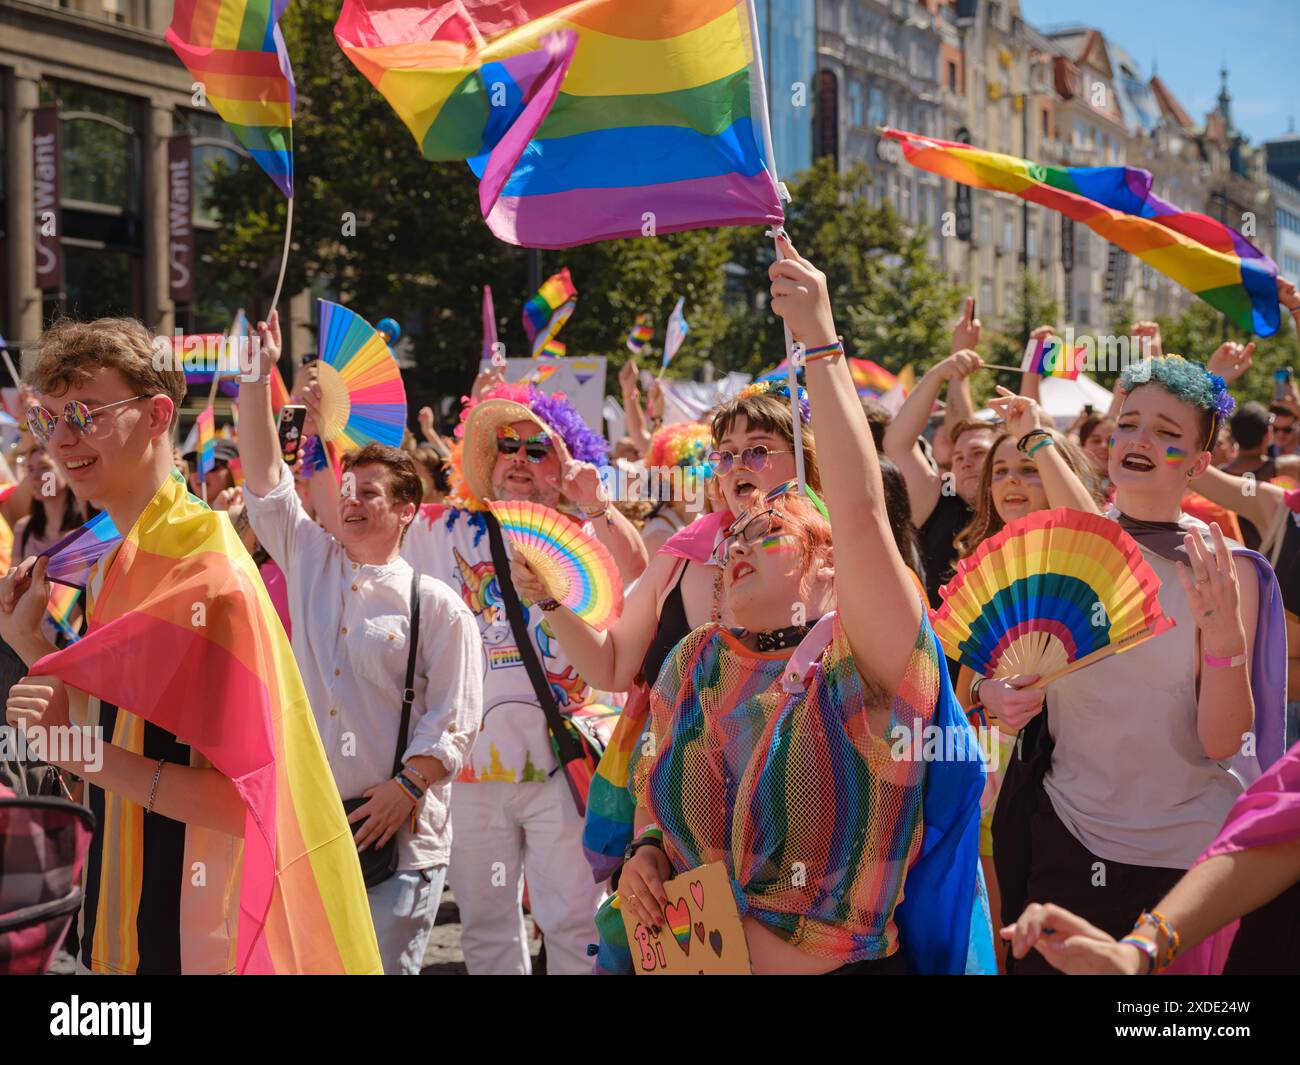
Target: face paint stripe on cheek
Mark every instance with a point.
(1174, 456)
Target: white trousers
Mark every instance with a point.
(502, 833)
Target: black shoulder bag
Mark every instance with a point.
(577, 752)
(379, 863)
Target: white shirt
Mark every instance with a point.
(351, 623)
(514, 745)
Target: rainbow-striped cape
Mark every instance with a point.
(1117, 202)
(184, 635)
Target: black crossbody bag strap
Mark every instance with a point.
(567, 747)
(408, 694)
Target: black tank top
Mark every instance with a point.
(671, 630)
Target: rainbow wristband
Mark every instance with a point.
(824, 352)
(1147, 946)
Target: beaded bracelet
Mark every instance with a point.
(153, 788)
(1147, 946)
(1040, 445)
(547, 605)
(411, 769)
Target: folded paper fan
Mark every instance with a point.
(362, 397)
(577, 569)
(72, 557)
(1050, 593)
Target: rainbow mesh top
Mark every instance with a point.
(815, 820)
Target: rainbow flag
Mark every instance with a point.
(678, 327)
(547, 311)
(58, 610)
(235, 50)
(1204, 256)
(72, 557)
(869, 378)
(231, 689)
(584, 121)
(207, 442)
(1048, 358)
(642, 333)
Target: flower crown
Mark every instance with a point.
(778, 387)
(1187, 380)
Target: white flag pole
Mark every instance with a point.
(792, 371)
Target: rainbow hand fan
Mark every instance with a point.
(577, 569)
(1050, 593)
(362, 397)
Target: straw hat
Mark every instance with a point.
(479, 442)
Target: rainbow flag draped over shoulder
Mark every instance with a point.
(1204, 256)
(584, 121)
(235, 50)
(230, 688)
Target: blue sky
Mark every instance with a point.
(1258, 41)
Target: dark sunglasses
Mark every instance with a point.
(752, 458)
(79, 417)
(535, 448)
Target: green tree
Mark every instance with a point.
(891, 304)
(1200, 329)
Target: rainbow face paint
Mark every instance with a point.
(773, 544)
(1175, 456)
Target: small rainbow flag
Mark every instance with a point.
(235, 50)
(1204, 256)
(642, 333)
(230, 688)
(207, 442)
(547, 311)
(869, 378)
(1048, 358)
(59, 607)
(543, 372)
(584, 121)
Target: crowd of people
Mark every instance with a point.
(1137, 815)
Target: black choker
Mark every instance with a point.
(780, 639)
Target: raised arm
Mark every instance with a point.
(882, 626)
(1062, 485)
(259, 447)
(901, 437)
(1031, 381)
(965, 337)
(1256, 501)
(635, 421)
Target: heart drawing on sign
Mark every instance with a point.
(697, 893)
(699, 931)
(679, 921)
(715, 941)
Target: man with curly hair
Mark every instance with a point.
(519, 819)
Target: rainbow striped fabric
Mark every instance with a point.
(642, 333)
(205, 423)
(869, 378)
(235, 50)
(585, 121)
(58, 609)
(231, 689)
(1048, 358)
(1116, 202)
(547, 311)
(72, 557)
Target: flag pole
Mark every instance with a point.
(284, 258)
(792, 372)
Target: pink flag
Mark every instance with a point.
(489, 323)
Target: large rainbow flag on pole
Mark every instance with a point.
(1204, 256)
(230, 688)
(584, 121)
(235, 50)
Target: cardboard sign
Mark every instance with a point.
(702, 935)
(582, 379)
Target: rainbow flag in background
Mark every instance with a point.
(584, 121)
(642, 333)
(231, 689)
(1048, 358)
(678, 327)
(235, 50)
(207, 442)
(869, 378)
(1204, 256)
(547, 311)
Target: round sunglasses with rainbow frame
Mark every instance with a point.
(79, 417)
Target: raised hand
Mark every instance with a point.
(1146, 329)
(1020, 413)
(799, 296)
(966, 333)
(1230, 360)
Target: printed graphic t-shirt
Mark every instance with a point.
(513, 745)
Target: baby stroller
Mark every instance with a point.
(43, 844)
